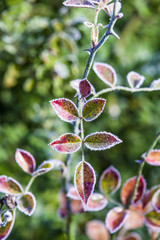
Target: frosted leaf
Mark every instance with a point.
(9, 185)
(27, 203)
(66, 143)
(25, 160)
(134, 79)
(101, 141)
(79, 3)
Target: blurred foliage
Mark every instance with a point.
(41, 50)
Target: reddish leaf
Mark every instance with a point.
(84, 180)
(93, 108)
(9, 185)
(128, 188)
(110, 181)
(110, 8)
(85, 88)
(76, 206)
(7, 228)
(62, 211)
(115, 219)
(106, 73)
(25, 160)
(135, 80)
(96, 202)
(135, 217)
(153, 158)
(148, 196)
(27, 203)
(96, 230)
(75, 85)
(156, 201)
(72, 193)
(155, 84)
(101, 141)
(79, 3)
(132, 236)
(65, 109)
(66, 143)
(152, 220)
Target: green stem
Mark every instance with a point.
(127, 89)
(93, 50)
(29, 184)
(142, 166)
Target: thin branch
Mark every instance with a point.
(127, 89)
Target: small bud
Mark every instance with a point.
(7, 216)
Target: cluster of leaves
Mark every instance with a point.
(15, 195)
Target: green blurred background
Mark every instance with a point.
(41, 50)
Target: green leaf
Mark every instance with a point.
(152, 220)
(93, 108)
(6, 229)
(101, 141)
(27, 203)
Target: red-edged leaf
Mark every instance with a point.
(106, 73)
(135, 217)
(9, 185)
(84, 180)
(148, 196)
(25, 160)
(6, 230)
(27, 203)
(110, 8)
(132, 236)
(110, 181)
(152, 220)
(115, 219)
(76, 206)
(135, 80)
(101, 141)
(48, 165)
(96, 202)
(156, 201)
(66, 143)
(93, 108)
(79, 3)
(65, 109)
(153, 158)
(155, 84)
(128, 188)
(96, 230)
(72, 193)
(85, 88)
(75, 85)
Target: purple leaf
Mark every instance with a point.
(135, 80)
(96, 202)
(75, 85)
(110, 181)
(128, 188)
(7, 228)
(93, 108)
(9, 185)
(101, 141)
(67, 143)
(132, 236)
(85, 88)
(27, 203)
(110, 8)
(25, 160)
(152, 220)
(106, 73)
(115, 219)
(96, 230)
(79, 3)
(156, 201)
(84, 180)
(153, 158)
(155, 84)
(65, 109)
